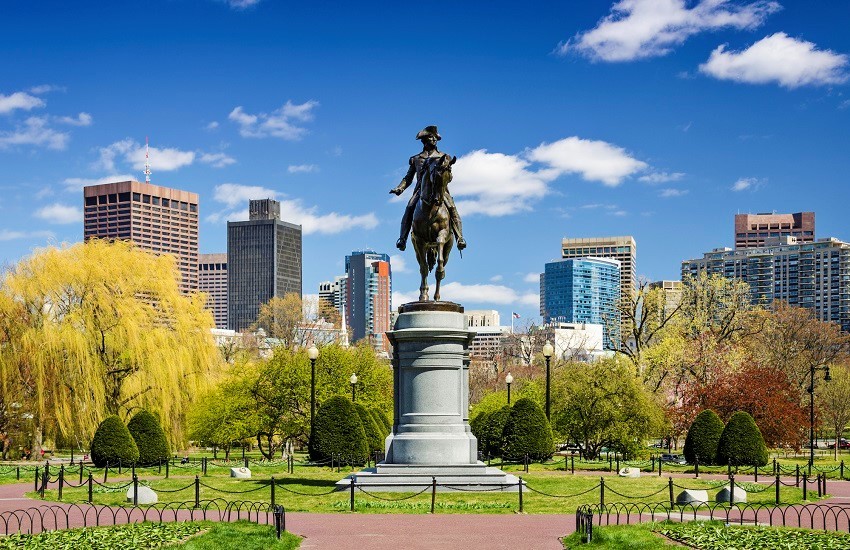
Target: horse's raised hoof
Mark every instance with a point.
(401, 244)
(461, 243)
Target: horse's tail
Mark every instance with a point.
(432, 259)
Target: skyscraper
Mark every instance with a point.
(753, 230)
(808, 275)
(212, 280)
(154, 218)
(623, 249)
(369, 296)
(263, 261)
(582, 290)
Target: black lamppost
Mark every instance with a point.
(353, 381)
(811, 390)
(548, 350)
(313, 354)
(509, 380)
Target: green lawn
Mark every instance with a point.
(706, 535)
(310, 489)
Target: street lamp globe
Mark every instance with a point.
(509, 379)
(313, 352)
(548, 350)
(353, 379)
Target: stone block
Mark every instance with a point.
(146, 495)
(240, 473)
(723, 494)
(695, 497)
(629, 472)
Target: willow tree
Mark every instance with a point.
(101, 328)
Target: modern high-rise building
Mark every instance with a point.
(152, 217)
(809, 275)
(263, 261)
(212, 280)
(582, 290)
(753, 230)
(332, 294)
(622, 249)
(476, 318)
(672, 294)
(369, 296)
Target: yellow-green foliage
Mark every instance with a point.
(101, 328)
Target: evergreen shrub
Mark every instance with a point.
(491, 433)
(339, 433)
(112, 443)
(741, 443)
(149, 438)
(527, 432)
(703, 438)
(373, 432)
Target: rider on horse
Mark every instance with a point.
(418, 164)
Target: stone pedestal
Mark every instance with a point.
(431, 436)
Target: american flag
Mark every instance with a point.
(515, 314)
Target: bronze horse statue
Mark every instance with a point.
(433, 238)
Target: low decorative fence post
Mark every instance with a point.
(272, 489)
(797, 476)
(135, 490)
(90, 488)
(520, 494)
(842, 470)
(731, 489)
(670, 487)
(197, 492)
(696, 467)
(433, 492)
(278, 520)
(36, 479)
(602, 491)
(756, 470)
(167, 463)
(778, 483)
(352, 493)
(61, 480)
(573, 462)
(805, 487)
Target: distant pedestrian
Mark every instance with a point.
(7, 446)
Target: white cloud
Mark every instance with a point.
(496, 278)
(217, 160)
(398, 264)
(638, 29)
(307, 168)
(496, 184)
(778, 58)
(747, 183)
(75, 185)
(19, 100)
(45, 88)
(35, 131)
(212, 126)
(165, 159)
(669, 193)
(280, 123)
(532, 278)
(400, 298)
(661, 177)
(242, 4)
(60, 213)
(593, 160)
(619, 213)
(82, 119)
(235, 195)
(9, 235)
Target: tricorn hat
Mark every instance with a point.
(429, 131)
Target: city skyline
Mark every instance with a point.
(568, 121)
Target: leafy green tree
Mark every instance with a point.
(527, 432)
(149, 438)
(339, 432)
(603, 404)
(703, 438)
(113, 444)
(741, 443)
(224, 414)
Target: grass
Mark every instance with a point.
(120, 537)
(240, 535)
(706, 535)
(314, 481)
(616, 537)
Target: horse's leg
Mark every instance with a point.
(422, 259)
(440, 272)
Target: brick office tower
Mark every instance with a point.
(154, 218)
(369, 296)
(622, 249)
(212, 280)
(263, 261)
(752, 230)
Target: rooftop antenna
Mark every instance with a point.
(147, 162)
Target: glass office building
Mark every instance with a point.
(582, 290)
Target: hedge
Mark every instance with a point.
(339, 433)
(113, 444)
(491, 434)
(149, 438)
(703, 438)
(527, 432)
(741, 443)
(374, 435)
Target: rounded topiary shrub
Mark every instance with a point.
(527, 432)
(149, 438)
(339, 433)
(741, 443)
(373, 432)
(382, 421)
(476, 425)
(703, 437)
(112, 443)
(491, 433)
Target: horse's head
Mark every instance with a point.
(439, 174)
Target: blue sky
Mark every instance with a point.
(655, 118)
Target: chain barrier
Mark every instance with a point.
(594, 488)
(282, 486)
(608, 488)
(365, 492)
(231, 492)
(462, 490)
(172, 490)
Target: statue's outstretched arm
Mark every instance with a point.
(405, 181)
